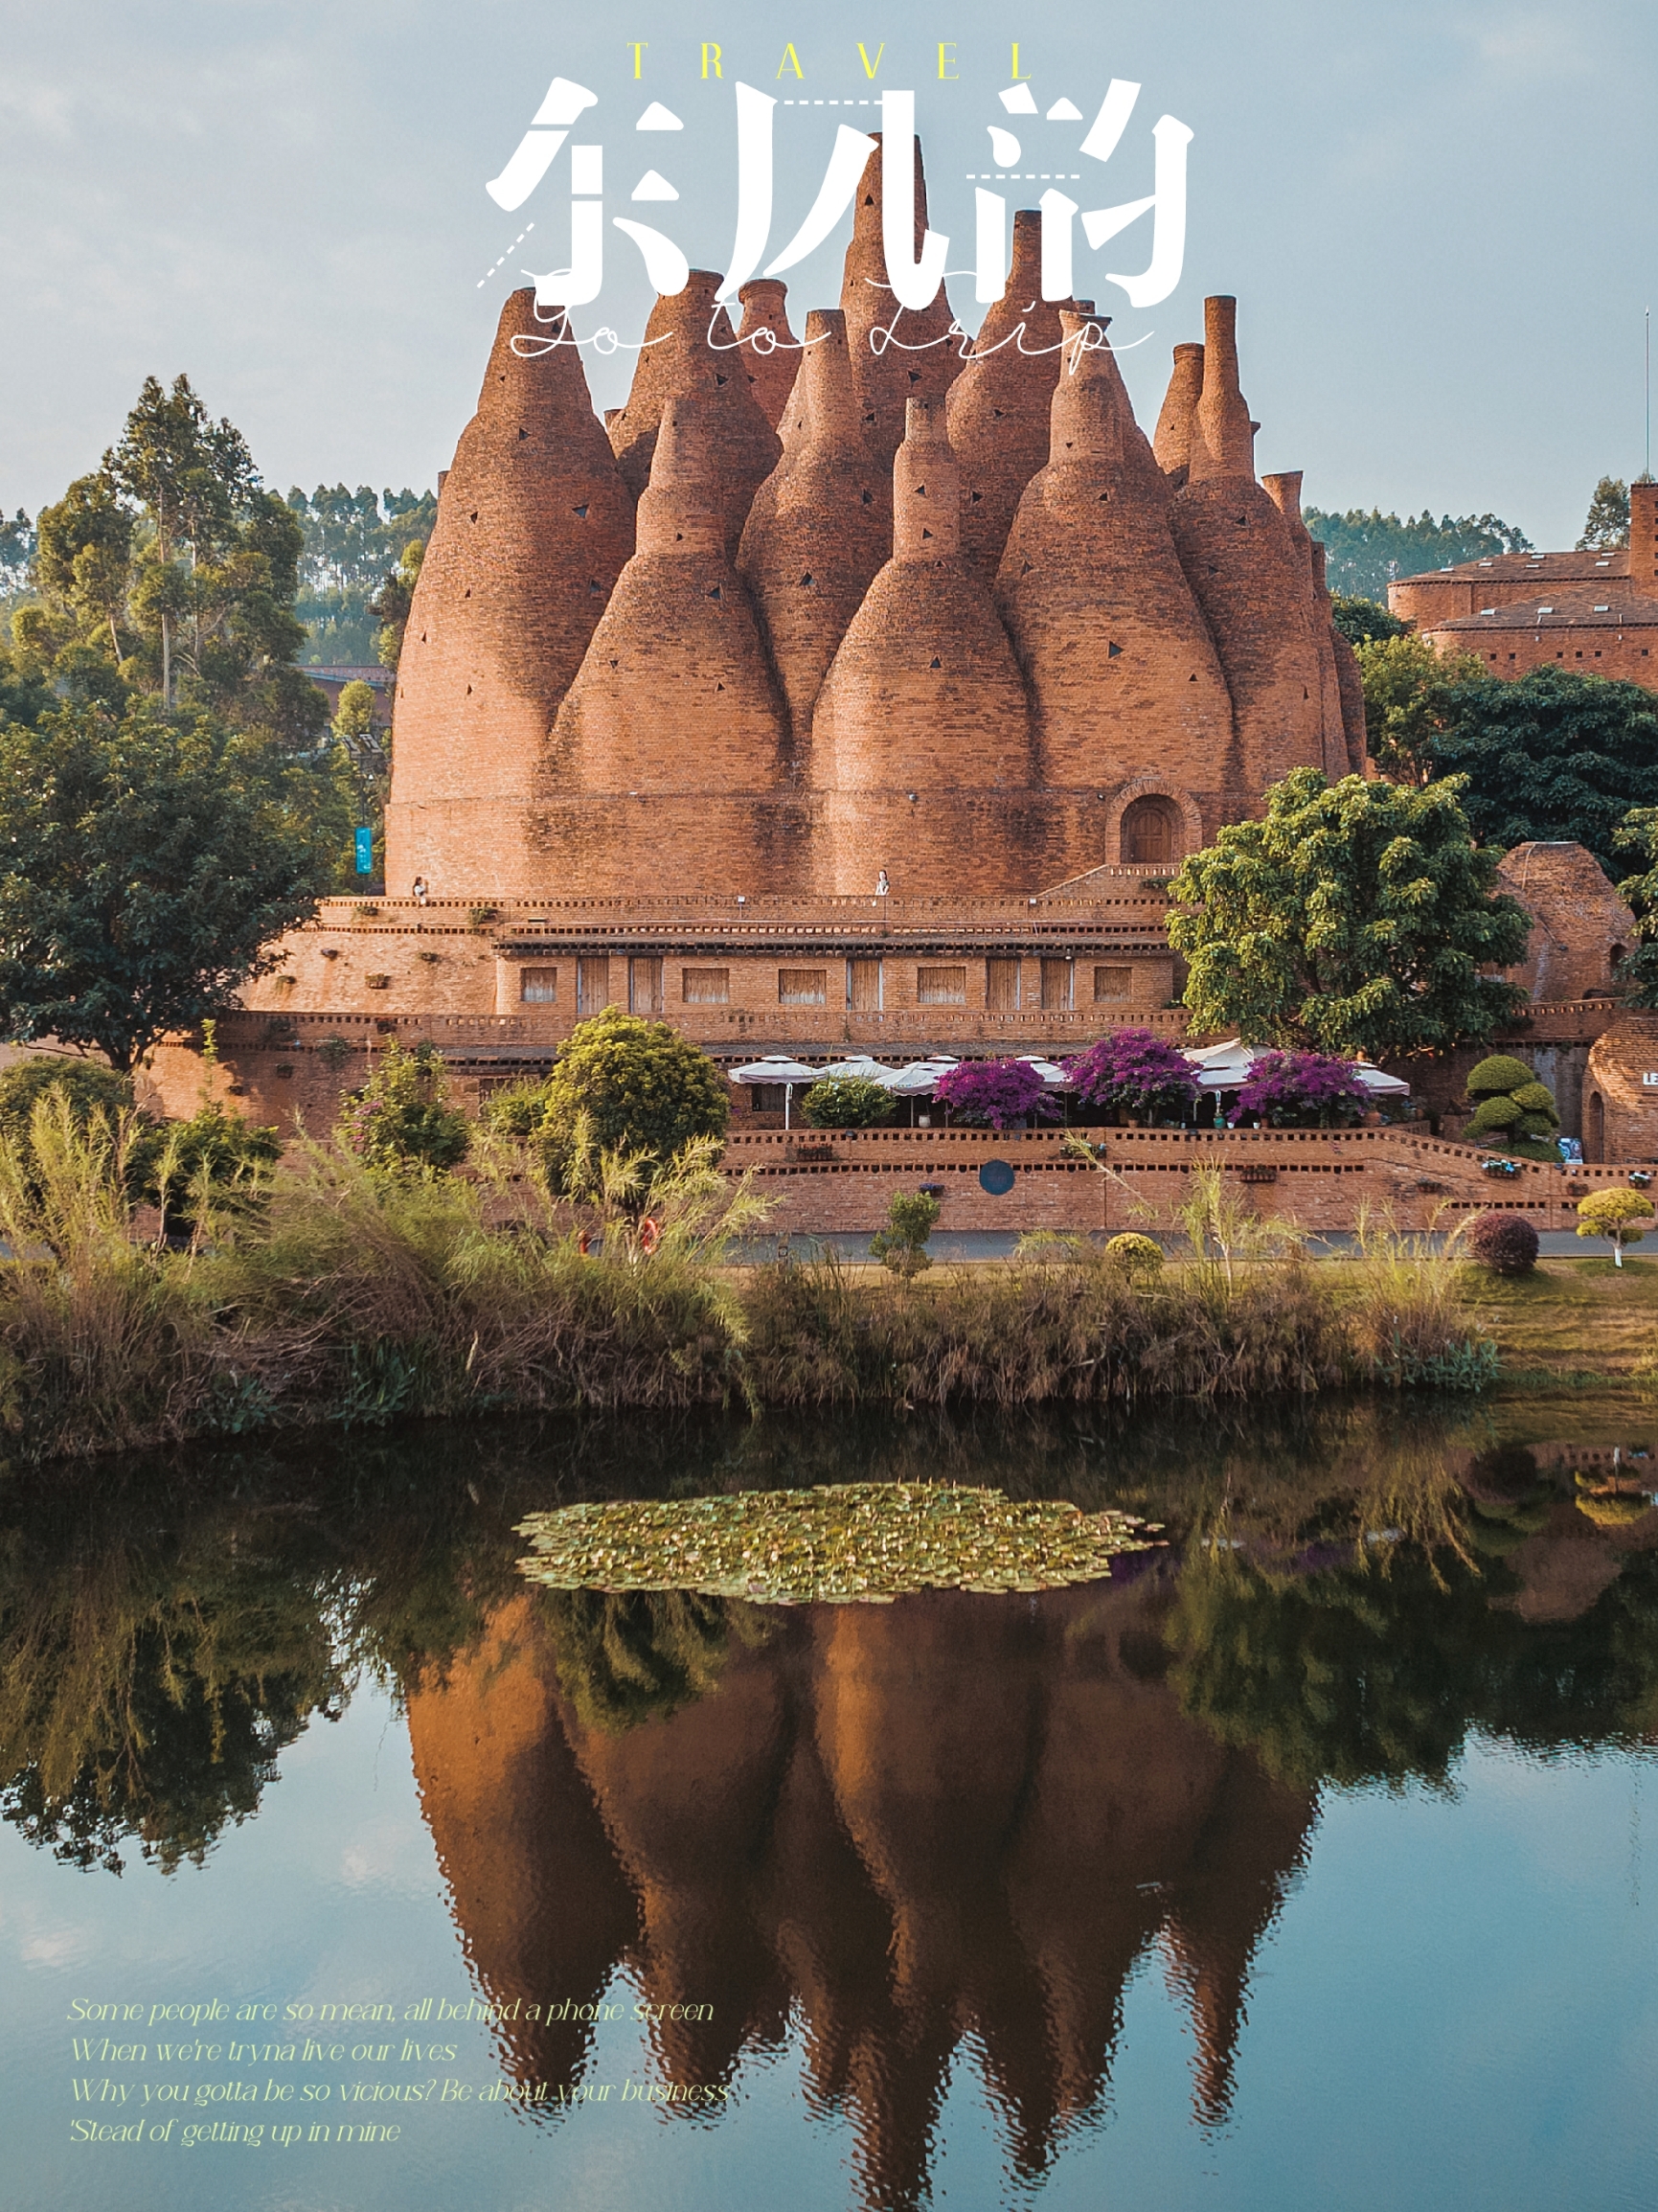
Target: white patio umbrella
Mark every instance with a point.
(1053, 1077)
(917, 1081)
(860, 1065)
(778, 1067)
(1229, 1067)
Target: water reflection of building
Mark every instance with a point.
(950, 1821)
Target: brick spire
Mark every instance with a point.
(1248, 578)
(690, 346)
(921, 360)
(670, 764)
(920, 738)
(1284, 493)
(821, 525)
(771, 370)
(533, 529)
(1172, 441)
(998, 405)
(1127, 695)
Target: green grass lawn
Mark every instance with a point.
(1571, 1316)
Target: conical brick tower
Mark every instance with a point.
(669, 765)
(920, 738)
(1348, 679)
(1247, 578)
(998, 405)
(1284, 493)
(677, 358)
(921, 359)
(820, 526)
(1128, 699)
(533, 526)
(770, 348)
(1172, 441)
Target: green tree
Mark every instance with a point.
(83, 555)
(1410, 694)
(1365, 551)
(1606, 525)
(1357, 918)
(902, 1244)
(1620, 1217)
(1636, 836)
(401, 1120)
(1553, 756)
(1361, 621)
(146, 868)
(394, 600)
(640, 1086)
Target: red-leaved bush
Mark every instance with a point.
(1507, 1244)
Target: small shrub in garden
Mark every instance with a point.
(846, 1102)
(994, 1094)
(902, 1244)
(1140, 1255)
(1298, 1091)
(1507, 1244)
(1135, 1072)
(401, 1120)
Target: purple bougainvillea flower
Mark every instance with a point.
(994, 1094)
(1135, 1071)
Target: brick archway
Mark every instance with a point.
(1136, 809)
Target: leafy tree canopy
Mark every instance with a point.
(355, 543)
(642, 1087)
(1364, 551)
(1552, 755)
(145, 865)
(1360, 621)
(1606, 525)
(1355, 919)
(1410, 695)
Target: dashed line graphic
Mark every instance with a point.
(512, 248)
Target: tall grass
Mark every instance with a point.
(329, 1292)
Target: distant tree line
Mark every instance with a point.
(1365, 551)
(360, 554)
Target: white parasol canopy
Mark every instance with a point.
(1055, 1077)
(860, 1065)
(778, 1067)
(1229, 1067)
(917, 1081)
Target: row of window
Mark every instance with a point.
(1002, 981)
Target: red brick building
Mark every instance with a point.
(1595, 612)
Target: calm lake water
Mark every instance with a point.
(1309, 1864)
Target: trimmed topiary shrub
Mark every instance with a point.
(1501, 1071)
(1507, 1244)
(1514, 1108)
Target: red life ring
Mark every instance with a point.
(650, 1235)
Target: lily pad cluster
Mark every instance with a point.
(840, 1543)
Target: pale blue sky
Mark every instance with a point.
(1439, 217)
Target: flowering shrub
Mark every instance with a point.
(1133, 1071)
(994, 1094)
(1303, 1090)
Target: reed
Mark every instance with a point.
(333, 1292)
